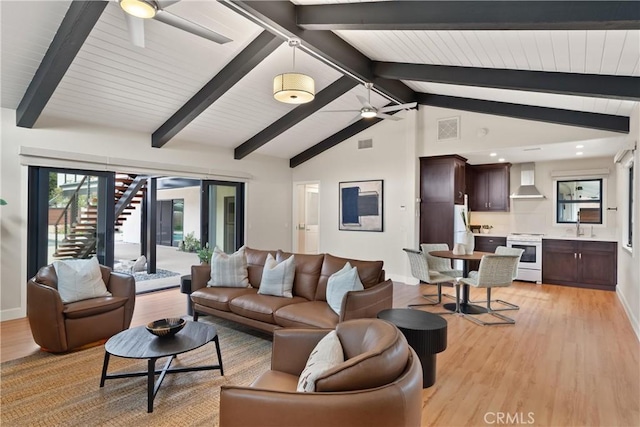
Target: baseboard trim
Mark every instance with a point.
(12, 313)
(403, 279)
(635, 324)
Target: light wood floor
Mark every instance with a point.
(571, 359)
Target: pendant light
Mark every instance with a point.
(292, 87)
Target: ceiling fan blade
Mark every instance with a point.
(136, 29)
(190, 27)
(354, 120)
(339, 111)
(388, 116)
(166, 3)
(364, 101)
(397, 107)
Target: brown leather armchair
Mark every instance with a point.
(58, 327)
(379, 384)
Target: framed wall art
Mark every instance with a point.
(361, 205)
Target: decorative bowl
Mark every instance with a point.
(165, 328)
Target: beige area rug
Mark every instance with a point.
(64, 390)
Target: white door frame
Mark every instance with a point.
(296, 221)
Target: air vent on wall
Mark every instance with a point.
(365, 143)
(449, 129)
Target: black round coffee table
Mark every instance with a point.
(425, 332)
(138, 343)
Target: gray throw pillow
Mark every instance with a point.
(229, 270)
(277, 279)
(340, 283)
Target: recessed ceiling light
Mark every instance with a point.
(579, 146)
(493, 154)
(501, 159)
(579, 153)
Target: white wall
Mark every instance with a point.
(391, 159)
(629, 261)
(268, 184)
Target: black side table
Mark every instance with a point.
(426, 333)
(185, 288)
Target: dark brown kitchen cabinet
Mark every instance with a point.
(489, 187)
(489, 243)
(486, 244)
(442, 179)
(442, 185)
(585, 264)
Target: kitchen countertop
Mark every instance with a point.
(489, 235)
(593, 239)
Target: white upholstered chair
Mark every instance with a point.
(420, 270)
(503, 250)
(495, 271)
(437, 264)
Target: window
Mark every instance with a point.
(579, 200)
(630, 202)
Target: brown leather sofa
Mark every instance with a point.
(379, 384)
(307, 309)
(59, 327)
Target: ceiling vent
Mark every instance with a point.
(365, 143)
(449, 129)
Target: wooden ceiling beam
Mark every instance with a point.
(335, 139)
(529, 112)
(580, 84)
(73, 31)
(261, 47)
(295, 116)
(471, 15)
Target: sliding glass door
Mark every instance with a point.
(222, 220)
(71, 216)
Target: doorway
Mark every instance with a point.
(222, 215)
(169, 231)
(306, 217)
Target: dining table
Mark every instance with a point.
(465, 306)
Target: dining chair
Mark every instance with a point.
(437, 264)
(420, 270)
(495, 271)
(503, 250)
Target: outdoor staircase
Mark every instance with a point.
(80, 237)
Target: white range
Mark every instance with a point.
(530, 266)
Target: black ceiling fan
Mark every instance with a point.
(136, 11)
(369, 111)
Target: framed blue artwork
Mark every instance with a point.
(361, 205)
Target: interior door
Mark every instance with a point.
(306, 217)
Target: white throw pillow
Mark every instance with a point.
(326, 354)
(80, 279)
(277, 279)
(340, 283)
(229, 270)
(139, 265)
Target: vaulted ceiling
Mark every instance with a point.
(567, 62)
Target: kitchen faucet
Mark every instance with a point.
(578, 226)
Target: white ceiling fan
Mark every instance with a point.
(136, 11)
(368, 111)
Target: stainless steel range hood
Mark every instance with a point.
(527, 189)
